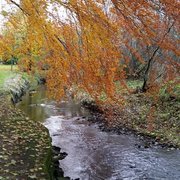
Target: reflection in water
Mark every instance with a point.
(31, 105)
(38, 107)
(96, 155)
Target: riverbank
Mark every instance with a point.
(93, 154)
(158, 126)
(25, 145)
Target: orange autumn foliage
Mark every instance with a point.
(86, 49)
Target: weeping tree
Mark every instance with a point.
(88, 46)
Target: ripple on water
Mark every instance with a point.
(97, 155)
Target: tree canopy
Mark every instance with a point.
(91, 44)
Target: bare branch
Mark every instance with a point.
(16, 4)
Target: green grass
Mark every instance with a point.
(6, 73)
(170, 89)
(8, 67)
(131, 84)
(134, 83)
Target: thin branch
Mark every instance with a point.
(63, 44)
(152, 57)
(16, 4)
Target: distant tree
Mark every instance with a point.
(99, 40)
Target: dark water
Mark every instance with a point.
(96, 155)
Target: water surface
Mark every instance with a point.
(97, 155)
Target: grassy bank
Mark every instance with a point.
(157, 119)
(162, 124)
(6, 73)
(25, 145)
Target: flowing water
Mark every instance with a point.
(97, 155)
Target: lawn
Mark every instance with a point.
(5, 73)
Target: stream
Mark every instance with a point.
(97, 155)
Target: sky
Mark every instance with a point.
(1, 8)
(5, 7)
